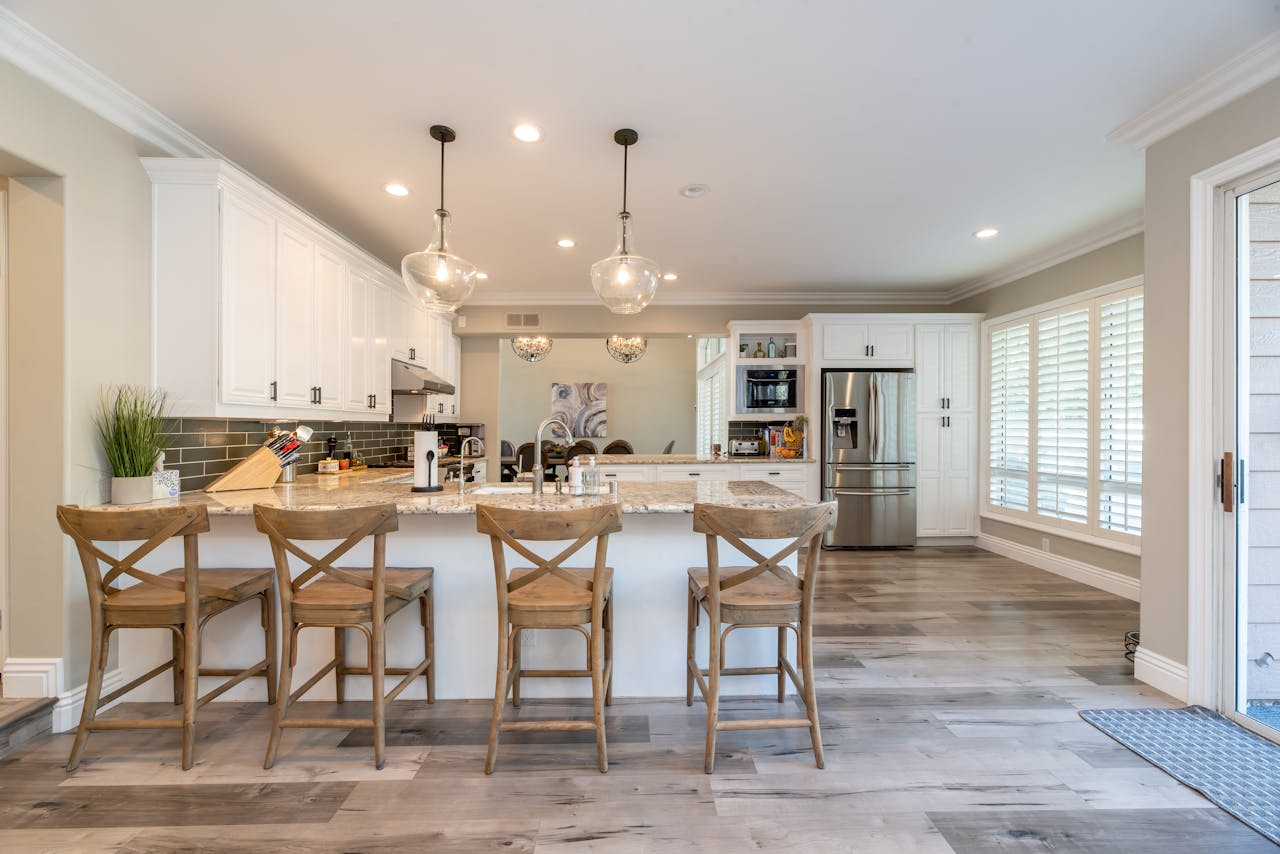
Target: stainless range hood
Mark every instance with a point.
(408, 378)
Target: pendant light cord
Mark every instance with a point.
(625, 150)
(442, 174)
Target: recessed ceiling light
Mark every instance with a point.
(694, 191)
(526, 132)
(482, 275)
(986, 233)
(565, 243)
(397, 189)
(670, 277)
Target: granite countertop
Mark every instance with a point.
(384, 486)
(685, 459)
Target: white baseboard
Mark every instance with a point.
(925, 542)
(1085, 573)
(1163, 673)
(32, 677)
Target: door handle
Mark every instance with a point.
(1228, 482)
(273, 390)
(413, 352)
(875, 492)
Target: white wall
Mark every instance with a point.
(650, 402)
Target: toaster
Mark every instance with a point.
(744, 447)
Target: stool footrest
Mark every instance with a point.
(762, 723)
(324, 723)
(533, 726)
(538, 674)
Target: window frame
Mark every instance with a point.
(1091, 532)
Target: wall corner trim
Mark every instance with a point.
(1161, 673)
(1094, 576)
(66, 712)
(1236, 77)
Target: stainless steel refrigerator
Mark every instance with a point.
(869, 457)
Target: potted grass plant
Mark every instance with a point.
(130, 422)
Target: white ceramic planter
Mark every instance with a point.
(130, 490)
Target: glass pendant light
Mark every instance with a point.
(624, 281)
(438, 279)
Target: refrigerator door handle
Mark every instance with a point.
(873, 467)
(872, 414)
(871, 492)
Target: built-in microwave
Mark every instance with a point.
(770, 389)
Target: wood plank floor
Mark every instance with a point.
(949, 682)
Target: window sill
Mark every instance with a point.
(1090, 539)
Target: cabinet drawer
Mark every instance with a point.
(716, 472)
(631, 473)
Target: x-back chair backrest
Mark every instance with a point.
(153, 525)
(351, 525)
(507, 527)
(803, 526)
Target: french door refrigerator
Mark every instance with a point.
(869, 457)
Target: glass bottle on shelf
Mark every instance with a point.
(759, 351)
(773, 349)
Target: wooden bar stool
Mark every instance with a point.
(550, 595)
(323, 595)
(180, 600)
(766, 594)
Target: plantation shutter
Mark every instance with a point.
(1120, 414)
(1062, 415)
(712, 426)
(1010, 417)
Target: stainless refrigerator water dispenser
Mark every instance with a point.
(869, 457)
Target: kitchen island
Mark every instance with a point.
(650, 557)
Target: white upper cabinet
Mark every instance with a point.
(946, 366)
(253, 301)
(861, 342)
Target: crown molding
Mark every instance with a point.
(1082, 244)
(694, 298)
(55, 66)
(1236, 77)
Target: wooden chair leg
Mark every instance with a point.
(598, 691)
(782, 654)
(190, 681)
(177, 667)
(282, 693)
(501, 683)
(608, 650)
(92, 692)
(428, 619)
(810, 690)
(515, 667)
(340, 655)
(713, 695)
(269, 630)
(378, 668)
(691, 649)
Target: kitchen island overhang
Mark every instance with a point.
(650, 558)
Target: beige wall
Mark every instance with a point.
(479, 384)
(98, 320)
(1238, 127)
(1112, 263)
(650, 402)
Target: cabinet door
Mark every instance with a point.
(456, 379)
(331, 327)
(380, 348)
(356, 377)
(845, 341)
(403, 328)
(793, 477)
(959, 475)
(930, 367)
(930, 449)
(892, 342)
(960, 366)
(295, 318)
(248, 303)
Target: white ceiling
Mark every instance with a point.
(850, 146)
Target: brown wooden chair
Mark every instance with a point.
(324, 595)
(766, 594)
(180, 600)
(550, 595)
(619, 446)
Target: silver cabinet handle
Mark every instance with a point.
(272, 393)
(872, 492)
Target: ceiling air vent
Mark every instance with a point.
(523, 321)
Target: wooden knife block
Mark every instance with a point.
(259, 470)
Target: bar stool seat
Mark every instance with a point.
(549, 594)
(220, 589)
(765, 599)
(318, 601)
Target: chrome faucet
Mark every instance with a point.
(537, 450)
(462, 464)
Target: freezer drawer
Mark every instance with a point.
(872, 518)
(869, 476)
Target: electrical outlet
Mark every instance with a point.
(1044, 544)
(462, 321)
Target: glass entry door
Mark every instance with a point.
(1249, 479)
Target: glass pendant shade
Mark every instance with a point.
(531, 348)
(438, 279)
(625, 282)
(626, 348)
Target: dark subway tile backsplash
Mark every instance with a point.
(201, 449)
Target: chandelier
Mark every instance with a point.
(435, 277)
(531, 348)
(626, 348)
(624, 281)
